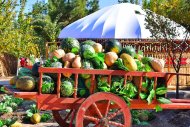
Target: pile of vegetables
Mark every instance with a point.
(92, 55)
(34, 116)
(8, 104)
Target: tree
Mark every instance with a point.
(16, 34)
(71, 10)
(129, 1)
(145, 4)
(39, 8)
(176, 10)
(123, 1)
(163, 28)
(92, 6)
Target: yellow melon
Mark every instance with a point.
(13, 80)
(129, 62)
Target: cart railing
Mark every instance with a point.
(136, 103)
(46, 101)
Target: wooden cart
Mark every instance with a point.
(100, 108)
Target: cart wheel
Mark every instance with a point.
(101, 109)
(63, 120)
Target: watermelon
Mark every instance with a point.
(86, 65)
(66, 89)
(129, 50)
(48, 85)
(87, 51)
(70, 45)
(113, 46)
(24, 72)
(55, 65)
(88, 42)
(25, 83)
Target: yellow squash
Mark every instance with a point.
(129, 62)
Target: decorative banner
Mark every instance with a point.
(184, 61)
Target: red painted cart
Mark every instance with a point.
(101, 108)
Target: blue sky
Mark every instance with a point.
(103, 3)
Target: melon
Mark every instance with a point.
(16, 124)
(158, 65)
(87, 51)
(70, 45)
(68, 57)
(113, 46)
(97, 47)
(129, 50)
(13, 80)
(86, 64)
(35, 118)
(129, 62)
(59, 53)
(66, 89)
(88, 42)
(25, 83)
(110, 58)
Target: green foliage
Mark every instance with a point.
(2, 89)
(7, 122)
(72, 10)
(9, 104)
(176, 10)
(47, 87)
(158, 108)
(33, 109)
(49, 61)
(161, 27)
(45, 117)
(141, 117)
(24, 34)
(127, 91)
(98, 60)
(164, 100)
(129, 1)
(16, 35)
(118, 65)
(151, 96)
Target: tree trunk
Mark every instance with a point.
(177, 87)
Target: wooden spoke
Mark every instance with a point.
(116, 124)
(62, 121)
(97, 110)
(114, 114)
(107, 108)
(91, 118)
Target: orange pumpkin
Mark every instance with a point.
(59, 53)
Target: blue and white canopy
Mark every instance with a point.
(117, 21)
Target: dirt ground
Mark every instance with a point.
(166, 118)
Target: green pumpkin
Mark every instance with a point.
(70, 45)
(87, 51)
(129, 50)
(86, 65)
(67, 88)
(88, 42)
(113, 46)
